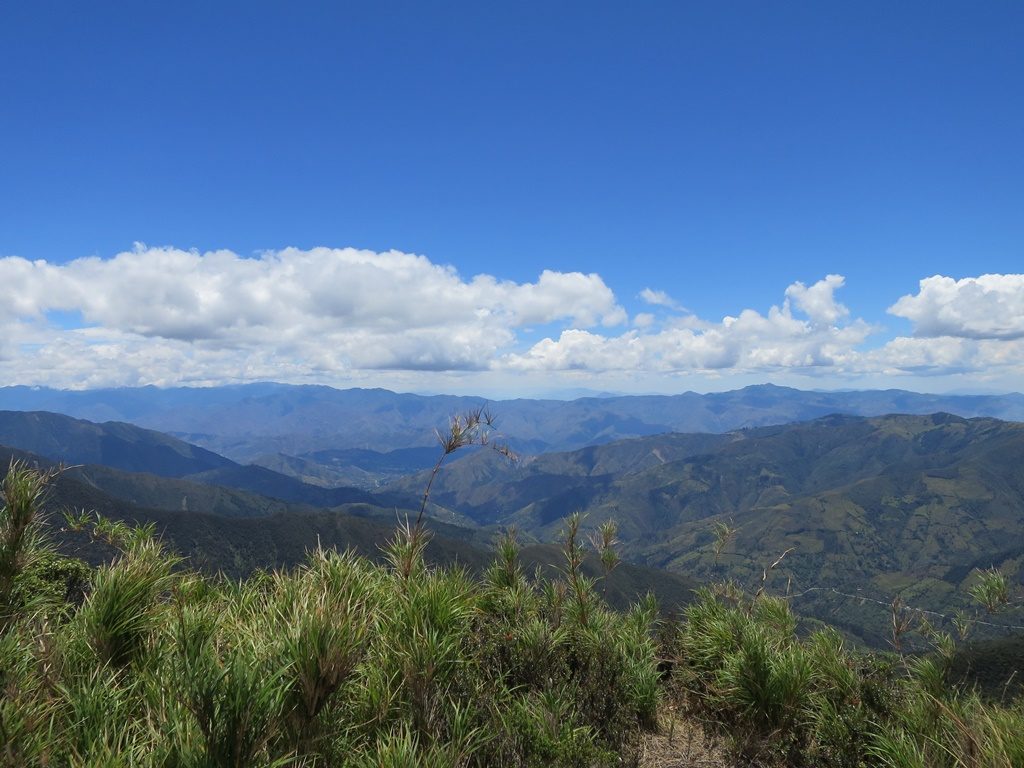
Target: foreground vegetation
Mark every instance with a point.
(337, 662)
(144, 662)
(784, 700)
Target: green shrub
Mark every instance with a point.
(781, 700)
(123, 608)
(341, 661)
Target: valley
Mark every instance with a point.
(861, 506)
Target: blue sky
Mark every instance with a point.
(718, 153)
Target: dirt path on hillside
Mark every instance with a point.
(681, 744)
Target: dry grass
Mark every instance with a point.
(681, 743)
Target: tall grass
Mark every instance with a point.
(781, 699)
(343, 661)
(338, 662)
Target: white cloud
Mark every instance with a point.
(973, 326)
(985, 307)
(166, 316)
(947, 355)
(818, 302)
(175, 294)
(923, 355)
(811, 334)
(746, 342)
(643, 320)
(658, 298)
(322, 309)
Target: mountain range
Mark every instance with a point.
(222, 524)
(874, 507)
(300, 430)
(861, 506)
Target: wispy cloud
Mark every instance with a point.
(659, 298)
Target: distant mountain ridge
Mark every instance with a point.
(114, 444)
(274, 423)
(907, 504)
(127, 448)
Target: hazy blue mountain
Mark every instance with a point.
(248, 421)
(103, 448)
(115, 444)
(261, 418)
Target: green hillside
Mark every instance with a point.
(114, 444)
(340, 660)
(222, 530)
(864, 509)
(907, 505)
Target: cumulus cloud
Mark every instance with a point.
(973, 326)
(175, 294)
(331, 309)
(985, 307)
(168, 316)
(746, 342)
(948, 355)
(819, 301)
(811, 333)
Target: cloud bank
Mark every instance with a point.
(169, 316)
(321, 310)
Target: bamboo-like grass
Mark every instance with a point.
(338, 662)
(345, 662)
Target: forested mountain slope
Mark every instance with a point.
(886, 505)
(223, 530)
